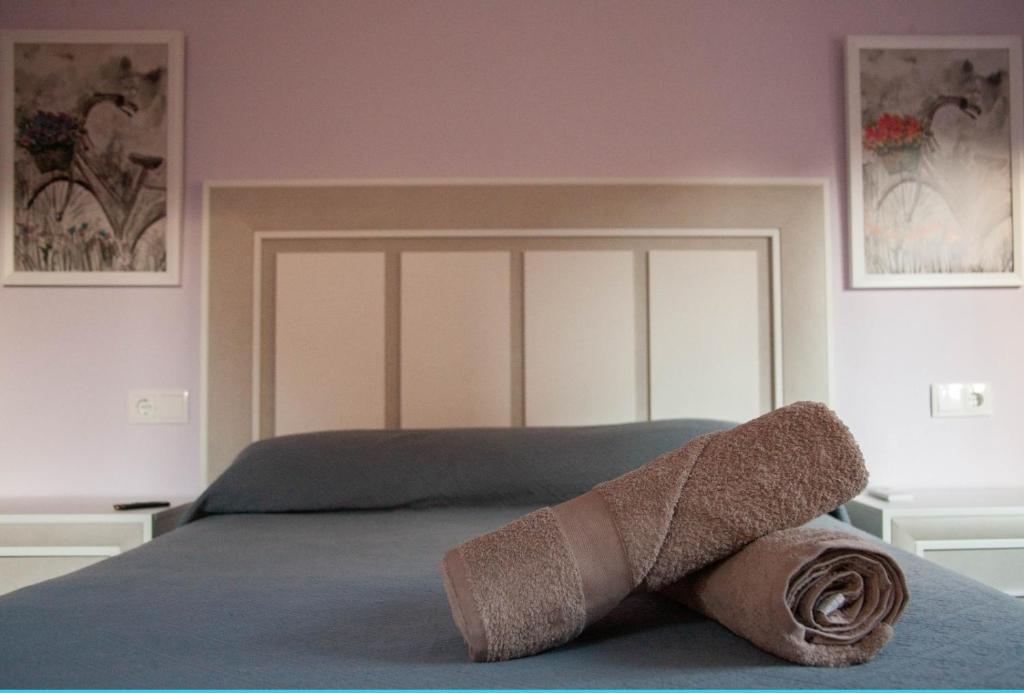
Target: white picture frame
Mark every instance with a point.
(934, 137)
(91, 157)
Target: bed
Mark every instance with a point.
(472, 350)
(313, 562)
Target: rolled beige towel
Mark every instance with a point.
(539, 581)
(812, 596)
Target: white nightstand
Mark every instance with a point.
(977, 532)
(43, 538)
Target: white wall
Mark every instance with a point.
(332, 89)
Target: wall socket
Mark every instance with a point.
(157, 406)
(961, 399)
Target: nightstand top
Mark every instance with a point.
(41, 505)
(959, 528)
(962, 499)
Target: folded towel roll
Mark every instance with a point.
(538, 581)
(812, 596)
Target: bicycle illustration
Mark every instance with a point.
(918, 208)
(83, 207)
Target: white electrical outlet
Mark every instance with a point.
(961, 399)
(158, 406)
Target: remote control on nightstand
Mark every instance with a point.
(142, 505)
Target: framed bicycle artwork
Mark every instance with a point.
(91, 157)
(934, 134)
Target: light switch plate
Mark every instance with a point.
(158, 406)
(961, 399)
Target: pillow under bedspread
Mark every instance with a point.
(362, 470)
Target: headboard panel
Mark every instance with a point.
(368, 305)
(513, 327)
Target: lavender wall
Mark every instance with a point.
(325, 89)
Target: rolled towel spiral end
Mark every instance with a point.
(812, 596)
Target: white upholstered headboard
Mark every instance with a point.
(507, 303)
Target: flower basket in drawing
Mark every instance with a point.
(55, 157)
(897, 141)
(50, 138)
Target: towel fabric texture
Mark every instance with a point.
(539, 581)
(812, 596)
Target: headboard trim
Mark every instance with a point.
(255, 212)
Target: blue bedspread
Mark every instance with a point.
(354, 599)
